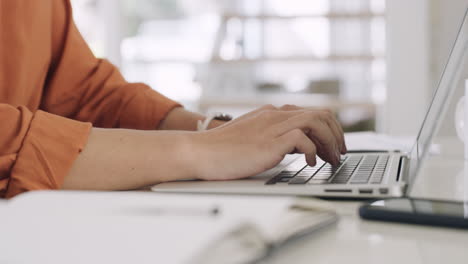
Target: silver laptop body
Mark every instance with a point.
(366, 175)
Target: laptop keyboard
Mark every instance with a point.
(355, 169)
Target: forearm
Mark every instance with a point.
(118, 159)
(181, 119)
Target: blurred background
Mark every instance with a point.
(375, 62)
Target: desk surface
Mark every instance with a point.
(355, 240)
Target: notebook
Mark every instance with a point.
(137, 227)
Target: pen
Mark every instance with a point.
(176, 211)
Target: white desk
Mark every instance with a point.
(358, 241)
(352, 240)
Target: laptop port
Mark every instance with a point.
(338, 190)
(383, 190)
(366, 191)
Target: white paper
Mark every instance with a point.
(83, 228)
(76, 227)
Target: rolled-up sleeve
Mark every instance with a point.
(37, 149)
(88, 89)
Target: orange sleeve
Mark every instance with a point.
(85, 88)
(36, 150)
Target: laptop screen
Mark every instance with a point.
(451, 77)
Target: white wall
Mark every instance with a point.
(420, 34)
(446, 19)
(408, 76)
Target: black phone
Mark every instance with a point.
(418, 211)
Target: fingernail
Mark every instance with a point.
(343, 150)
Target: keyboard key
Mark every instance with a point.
(279, 177)
(314, 181)
(296, 166)
(287, 174)
(299, 180)
(323, 175)
(362, 174)
(377, 177)
(285, 179)
(272, 181)
(344, 173)
(340, 180)
(376, 180)
(359, 181)
(306, 173)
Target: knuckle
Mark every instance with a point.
(328, 140)
(313, 115)
(325, 115)
(288, 107)
(269, 107)
(297, 133)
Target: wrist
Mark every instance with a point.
(180, 119)
(177, 148)
(198, 163)
(213, 120)
(216, 123)
(192, 152)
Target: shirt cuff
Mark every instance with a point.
(50, 147)
(146, 110)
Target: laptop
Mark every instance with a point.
(366, 175)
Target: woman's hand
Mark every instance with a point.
(259, 140)
(121, 159)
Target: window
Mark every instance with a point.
(191, 50)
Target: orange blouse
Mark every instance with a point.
(52, 90)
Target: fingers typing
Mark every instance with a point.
(320, 131)
(296, 140)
